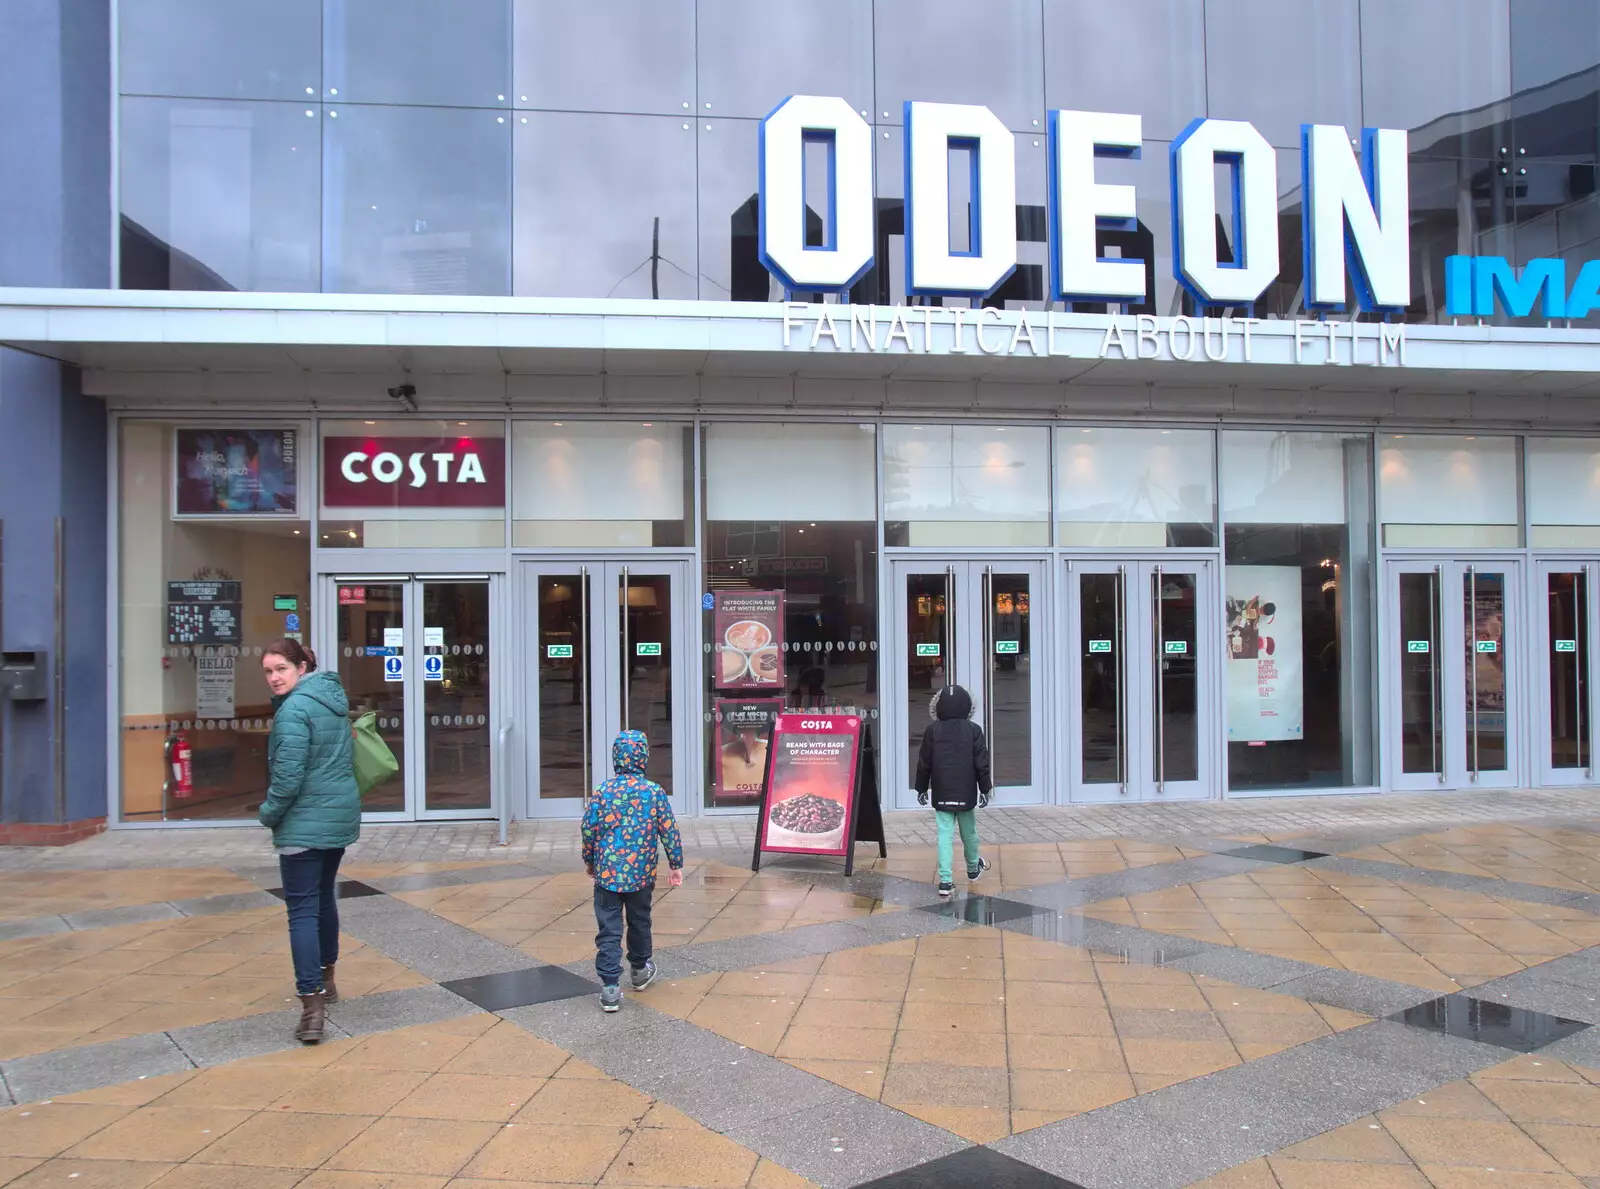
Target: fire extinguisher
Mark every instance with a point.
(180, 767)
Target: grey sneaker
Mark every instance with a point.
(610, 998)
(945, 888)
(644, 975)
(976, 873)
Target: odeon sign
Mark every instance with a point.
(1356, 206)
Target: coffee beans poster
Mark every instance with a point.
(812, 765)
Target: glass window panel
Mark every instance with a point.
(948, 51)
(966, 484)
(418, 52)
(1145, 56)
(456, 732)
(621, 56)
(1483, 594)
(220, 195)
(1564, 491)
(1567, 598)
(605, 206)
(1440, 69)
(1176, 745)
(1555, 77)
(242, 49)
(1421, 696)
(646, 620)
(729, 214)
(754, 56)
(361, 626)
(927, 650)
(587, 483)
(190, 667)
(1459, 206)
(1135, 487)
(1010, 684)
(1284, 64)
(1297, 513)
(1101, 697)
(781, 471)
(413, 484)
(1439, 489)
(418, 201)
(564, 698)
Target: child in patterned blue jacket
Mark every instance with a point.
(621, 825)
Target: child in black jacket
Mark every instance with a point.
(954, 762)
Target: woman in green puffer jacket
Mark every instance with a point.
(313, 809)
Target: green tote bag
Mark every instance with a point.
(375, 763)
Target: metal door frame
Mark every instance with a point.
(1452, 569)
(1541, 708)
(1139, 687)
(414, 761)
(971, 645)
(604, 687)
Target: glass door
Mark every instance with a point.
(971, 623)
(1453, 648)
(1564, 712)
(609, 637)
(1141, 719)
(416, 651)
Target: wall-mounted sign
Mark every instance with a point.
(647, 648)
(1566, 646)
(394, 637)
(236, 472)
(203, 612)
(432, 637)
(433, 667)
(352, 596)
(558, 652)
(1416, 646)
(1007, 647)
(394, 668)
(927, 650)
(1177, 647)
(1099, 645)
(214, 686)
(286, 602)
(1488, 646)
(394, 472)
(1266, 695)
(749, 640)
(1356, 206)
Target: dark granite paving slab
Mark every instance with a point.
(984, 910)
(345, 889)
(520, 988)
(1489, 1022)
(1265, 853)
(971, 1168)
(89, 1067)
(26, 927)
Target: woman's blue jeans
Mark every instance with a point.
(308, 890)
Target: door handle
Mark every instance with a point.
(505, 801)
(627, 660)
(1120, 668)
(583, 668)
(986, 635)
(1472, 658)
(1161, 688)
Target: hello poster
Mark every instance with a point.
(1265, 666)
(811, 783)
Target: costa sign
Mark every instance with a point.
(1356, 206)
(385, 472)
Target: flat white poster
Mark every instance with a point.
(214, 686)
(1265, 657)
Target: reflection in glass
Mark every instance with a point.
(966, 485)
(586, 226)
(418, 200)
(220, 195)
(1568, 602)
(1145, 56)
(1177, 736)
(1250, 77)
(1421, 725)
(1484, 604)
(1100, 629)
(928, 651)
(457, 727)
(754, 56)
(945, 51)
(1139, 487)
(369, 617)
(1010, 692)
(244, 49)
(419, 52)
(564, 700)
(620, 56)
(645, 654)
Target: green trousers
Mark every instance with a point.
(948, 822)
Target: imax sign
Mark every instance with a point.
(1356, 206)
(1475, 285)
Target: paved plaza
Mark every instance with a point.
(1346, 991)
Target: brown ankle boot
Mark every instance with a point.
(330, 993)
(313, 1019)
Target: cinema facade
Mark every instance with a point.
(1227, 428)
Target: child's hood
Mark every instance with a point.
(951, 702)
(630, 753)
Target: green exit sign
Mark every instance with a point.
(644, 649)
(927, 650)
(1566, 646)
(1488, 646)
(1099, 645)
(285, 602)
(1416, 646)
(558, 652)
(1177, 647)
(1008, 647)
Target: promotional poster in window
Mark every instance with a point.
(1266, 694)
(749, 635)
(236, 472)
(743, 734)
